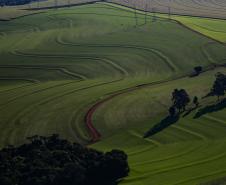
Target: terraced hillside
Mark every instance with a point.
(95, 72)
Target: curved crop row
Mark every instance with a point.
(158, 53)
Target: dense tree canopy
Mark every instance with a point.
(54, 161)
(219, 85)
(15, 2)
(198, 70)
(180, 99)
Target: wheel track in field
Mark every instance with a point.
(206, 54)
(183, 153)
(218, 172)
(22, 113)
(152, 141)
(35, 92)
(179, 167)
(30, 30)
(116, 66)
(20, 79)
(29, 109)
(46, 68)
(62, 69)
(212, 118)
(156, 52)
(105, 60)
(48, 100)
(209, 29)
(74, 114)
(137, 152)
(186, 152)
(16, 88)
(75, 133)
(193, 133)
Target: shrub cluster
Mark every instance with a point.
(54, 161)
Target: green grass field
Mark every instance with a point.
(57, 64)
(211, 27)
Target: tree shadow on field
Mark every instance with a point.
(166, 122)
(189, 111)
(211, 108)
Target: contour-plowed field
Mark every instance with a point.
(94, 72)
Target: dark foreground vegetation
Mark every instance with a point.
(54, 161)
(15, 2)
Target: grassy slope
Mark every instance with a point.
(214, 28)
(189, 152)
(65, 63)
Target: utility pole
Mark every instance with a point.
(154, 15)
(169, 10)
(56, 4)
(169, 13)
(146, 11)
(135, 13)
(150, 8)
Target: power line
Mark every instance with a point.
(154, 18)
(169, 13)
(56, 3)
(135, 14)
(146, 11)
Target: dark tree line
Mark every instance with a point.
(54, 161)
(15, 2)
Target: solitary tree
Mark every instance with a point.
(180, 99)
(219, 86)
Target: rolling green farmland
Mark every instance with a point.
(63, 68)
(213, 28)
(192, 151)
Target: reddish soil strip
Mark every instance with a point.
(95, 134)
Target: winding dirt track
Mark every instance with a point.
(95, 134)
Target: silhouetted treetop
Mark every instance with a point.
(55, 161)
(219, 85)
(180, 99)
